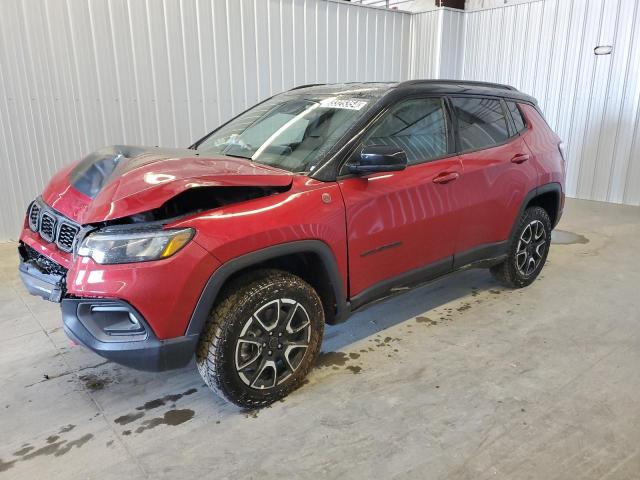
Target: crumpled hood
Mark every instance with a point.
(121, 180)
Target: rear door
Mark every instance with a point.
(497, 174)
(401, 221)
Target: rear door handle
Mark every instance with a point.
(446, 177)
(520, 158)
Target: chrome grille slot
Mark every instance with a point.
(48, 227)
(34, 216)
(66, 234)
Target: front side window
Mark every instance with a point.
(290, 131)
(481, 122)
(418, 126)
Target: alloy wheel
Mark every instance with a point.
(272, 343)
(531, 248)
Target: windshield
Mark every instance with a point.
(289, 131)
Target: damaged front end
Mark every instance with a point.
(115, 204)
(196, 200)
(41, 276)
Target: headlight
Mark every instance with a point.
(108, 247)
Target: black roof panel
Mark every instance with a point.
(452, 87)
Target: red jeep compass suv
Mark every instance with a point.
(294, 214)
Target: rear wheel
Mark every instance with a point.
(527, 251)
(261, 339)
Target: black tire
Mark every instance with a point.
(221, 352)
(511, 272)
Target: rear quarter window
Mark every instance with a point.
(481, 122)
(516, 114)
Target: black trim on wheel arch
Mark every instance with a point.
(224, 272)
(546, 188)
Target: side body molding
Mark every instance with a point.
(222, 274)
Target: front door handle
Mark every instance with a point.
(520, 158)
(446, 177)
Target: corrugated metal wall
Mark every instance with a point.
(546, 49)
(76, 75)
(426, 44)
(437, 43)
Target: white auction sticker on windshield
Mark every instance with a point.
(347, 103)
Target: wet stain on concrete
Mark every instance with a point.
(464, 307)
(4, 466)
(74, 443)
(562, 237)
(354, 355)
(159, 402)
(332, 359)
(172, 418)
(109, 443)
(426, 320)
(66, 429)
(23, 451)
(53, 447)
(93, 382)
(128, 418)
(355, 369)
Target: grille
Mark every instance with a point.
(51, 226)
(66, 235)
(34, 216)
(47, 227)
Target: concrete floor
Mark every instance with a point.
(459, 379)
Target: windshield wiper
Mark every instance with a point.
(237, 156)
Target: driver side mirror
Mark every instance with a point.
(378, 158)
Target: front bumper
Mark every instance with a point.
(112, 328)
(46, 285)
(116, 331)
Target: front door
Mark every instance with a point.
(400, 222)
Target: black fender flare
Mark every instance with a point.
(546, 188)
(226, 270)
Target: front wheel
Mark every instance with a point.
(527, 251)
(261, 339)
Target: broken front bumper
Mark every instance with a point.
(112, 328)
(41, 276)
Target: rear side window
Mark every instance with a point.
(481, 122)
(516, 114)
(417, 126)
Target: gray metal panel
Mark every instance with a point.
(78, 75)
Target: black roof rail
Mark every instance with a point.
(306, 86)
(458, 82)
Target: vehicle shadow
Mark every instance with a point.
(405, 306)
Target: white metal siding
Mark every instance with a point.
(77, 75)
(425, 44)
(545, 48)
